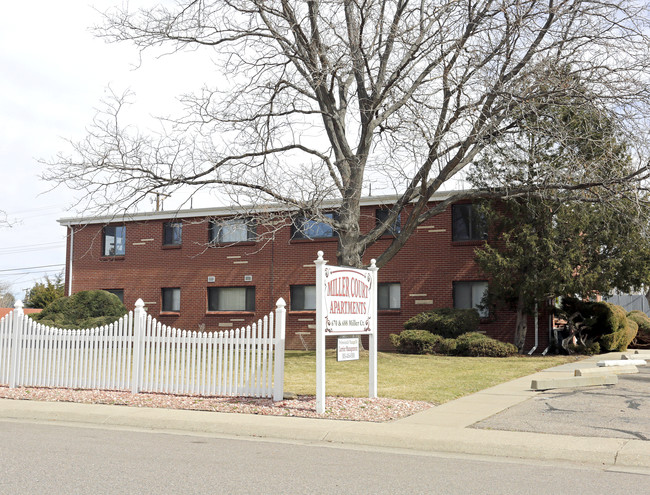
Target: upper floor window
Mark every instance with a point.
(231, 298)
(467, 223)
(381, 216)
(388, 296)
(470, 295)
(234, 230)
(303, 297)
(172, 233)
(114, 240)
(304, 228)
(171, 299)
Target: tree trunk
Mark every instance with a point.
(521, 326)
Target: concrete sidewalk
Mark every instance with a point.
(445, 428)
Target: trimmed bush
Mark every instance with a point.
(86, 309)
(643, 321)
(479, 345)
(447, 347)
(603, 322)
(415, 342)
(446, 322)
(469, 344)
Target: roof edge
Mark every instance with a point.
(223, 211)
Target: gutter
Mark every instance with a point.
(536, 331)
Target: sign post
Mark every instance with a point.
(346, 304)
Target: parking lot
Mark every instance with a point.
(615, 411)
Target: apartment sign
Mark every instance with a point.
(346, 304)
(347, 301)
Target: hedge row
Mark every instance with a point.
(468, 344)
(446, 322)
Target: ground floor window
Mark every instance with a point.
(470, 295)
(171, 299)
(303, 297)
(388, 296)
(231, 298)
(118, 292)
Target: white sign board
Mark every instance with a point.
(346, 304)
(347, 349)
(347, 301)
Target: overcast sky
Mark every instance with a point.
(53, 76)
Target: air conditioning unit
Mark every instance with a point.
(211, 279)
(248, 278)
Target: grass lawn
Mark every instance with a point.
(435, 379)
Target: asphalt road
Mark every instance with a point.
(53, 459)
(615, 411)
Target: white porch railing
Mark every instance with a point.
(139, 354)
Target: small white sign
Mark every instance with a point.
(347, 349)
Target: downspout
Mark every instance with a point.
(550, 333)
(70, 261)
(536, 330)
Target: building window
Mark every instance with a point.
(172, 233)
(303, 297)
(230, 231)
(171, 300)
(114, 240)
(118, 292)
(381, 215)
(304, 228)
(388, 296)
(467, 223)
(231, 298)
(470, 295)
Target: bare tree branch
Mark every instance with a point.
(326, 96)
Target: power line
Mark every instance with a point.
(30, 268)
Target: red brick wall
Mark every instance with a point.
(426, 268)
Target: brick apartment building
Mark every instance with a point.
(214, 269)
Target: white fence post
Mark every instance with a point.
(17, 316)
(138, 346)
(280, 332)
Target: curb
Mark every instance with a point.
(404, 436)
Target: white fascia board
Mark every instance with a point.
(225, 211)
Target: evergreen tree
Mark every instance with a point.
(546, 245)
(43, 293)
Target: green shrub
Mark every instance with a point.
(643, 322)
(86, 309)
(447, 322)
(469, 344)
(415, 342)
(602, 322)
(447, 347)
(479, 345)
(621, 338)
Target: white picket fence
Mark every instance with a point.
(139, 354)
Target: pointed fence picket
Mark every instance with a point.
(140, 354)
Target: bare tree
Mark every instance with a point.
(316, 99)
(7, 299)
